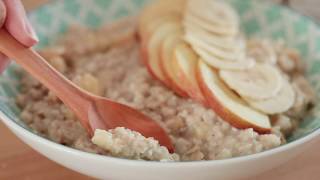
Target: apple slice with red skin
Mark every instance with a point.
(147, 30)
(152, 48)
(227, 104)
(166, 62)
(152, 16)
(158, 9)
(185, 62)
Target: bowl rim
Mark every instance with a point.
(30, 134)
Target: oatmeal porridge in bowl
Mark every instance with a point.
(218, 92)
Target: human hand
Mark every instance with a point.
(13, 18)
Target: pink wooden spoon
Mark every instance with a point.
(93, 112)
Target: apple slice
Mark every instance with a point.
(152, 49)
(155, 14)
(227, 104)
(185, 62)
(148, 29)
(212, 60)
(166, 62)
(158, 9)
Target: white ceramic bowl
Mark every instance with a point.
(104, 167)
(258, 19)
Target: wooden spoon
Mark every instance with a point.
(93, 112)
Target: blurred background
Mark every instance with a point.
(306, 7)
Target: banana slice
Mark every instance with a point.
(262, 51)
(193, 21)
(212, 60)
(282, 102)
(227, 104)
(215, 12)
(227, 43)
(222, 54)
(262, 81)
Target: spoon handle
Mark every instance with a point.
(33, 63)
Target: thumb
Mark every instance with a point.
(17, 23)
(3, 59)
(3, 13)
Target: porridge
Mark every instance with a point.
(111, 63)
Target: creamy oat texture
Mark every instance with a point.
(121, 142)
(107, 62)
